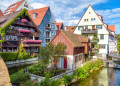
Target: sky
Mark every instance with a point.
(70, 11)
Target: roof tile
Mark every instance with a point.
(40, 14)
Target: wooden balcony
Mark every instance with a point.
(36, 34)
(17, 33)
(89, 31)
(31, 45)
(48, 27)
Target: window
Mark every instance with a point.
(101, 36)
(47, 40)
(94, 19)
(99, 26)
(86, 27)
(89, 12)
(47, 34)
(47, 25)
(34, 15)
(53, 26)
(78, 27)
(102, 46)
(87, 19)
(82, 27)
(53, 33)
(84, 19)
(91, 19)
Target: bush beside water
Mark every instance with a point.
(79, 73)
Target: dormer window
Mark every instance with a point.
(34, 15)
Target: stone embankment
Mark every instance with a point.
(4, 74)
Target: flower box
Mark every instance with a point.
(24, 20)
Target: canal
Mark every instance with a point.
(103, 77)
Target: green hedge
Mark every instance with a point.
(13, 56)
(9, 56)
(19, 77)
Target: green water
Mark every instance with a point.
(16, 69)
(103, 77)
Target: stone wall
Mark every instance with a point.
(4, 74)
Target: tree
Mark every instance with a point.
(118, 42)
(47, 54)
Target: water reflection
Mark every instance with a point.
(104, 77)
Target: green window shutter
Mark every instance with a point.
(104, 46)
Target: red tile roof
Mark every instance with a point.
(70, 28)
(40, 14)
(15, 6)
(1, 14)
(111, 27)
(59, 25)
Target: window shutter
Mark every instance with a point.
(104, 46)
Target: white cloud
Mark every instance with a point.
(37, 5)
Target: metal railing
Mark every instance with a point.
(89, 31)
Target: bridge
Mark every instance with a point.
(112, 60)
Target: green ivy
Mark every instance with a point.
(6, 27)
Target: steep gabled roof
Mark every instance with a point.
(111, 28)
(1, 14)
(40, 14)
(13, 7)
(70, 28)
(95, 13)
(73, 38)
(6, 19)
(59, 25)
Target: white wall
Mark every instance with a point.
(22, 6)
(89, 14)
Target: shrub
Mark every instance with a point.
(37, 69)
(19, 77)
(67, 79)
(9, 56)
(88, 66)
(81, 72)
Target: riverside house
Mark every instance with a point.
(101, 34)
(77, 48)
(18, 28)
(17, 6)
(44, 20)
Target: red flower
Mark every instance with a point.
(24, 20)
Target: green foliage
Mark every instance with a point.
(93, 65)
(12, 56)
(67, 79)
(42, 70)
(88, 66)
(81, 72)
(118, 42)
(19, 77)
(48, 53)
(38, 69)
(9, 56)
(22, 54)
(5, 28)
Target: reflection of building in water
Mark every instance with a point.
(4, 75)
(103, 79)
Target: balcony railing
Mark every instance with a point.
(89, 31)
(48, 27)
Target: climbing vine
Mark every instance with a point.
(5, 28)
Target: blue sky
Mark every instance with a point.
(70, 11)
